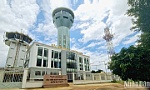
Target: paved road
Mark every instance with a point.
(102, 86)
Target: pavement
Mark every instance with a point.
(100, 86)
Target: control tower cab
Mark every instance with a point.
(63, 19)
(18, 43)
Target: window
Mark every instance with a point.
(80, 60)
(71, 65)
(81, 67)
(57, 17)
(71, 55)
(44, 63)
(43, 73)
(59, 55)
(39, 62)
(52, 64)
(88, 68)
(85, 61)
(59, 42)
(71, 20)
(38, 73)
(59, 66)
(45, 52)
(55, 64)
(65, 17)
(56, 54)
(40, 51)
(52, 54)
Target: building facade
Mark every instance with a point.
(18, 44)
(44, 59)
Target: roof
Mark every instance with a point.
(64, 9)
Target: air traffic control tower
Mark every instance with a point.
(63, 19)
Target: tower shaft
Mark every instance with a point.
(63, 37)
(63, 20)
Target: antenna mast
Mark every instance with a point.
(108, 37)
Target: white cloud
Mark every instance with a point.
(93, 32)
(93, 44)
(132, 39)
(59, 3)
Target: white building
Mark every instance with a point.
(44, 59)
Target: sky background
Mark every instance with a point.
(34, 17)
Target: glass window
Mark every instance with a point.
(85, 68)
(37, 73)
(59, 42)
(71, 20)
(44, 63)
(40, 51)
(65, 17)
(88, 68)
(45, 52)
(85, 61)
(52, 64)
(59, 64)
(43, 73)
(55, 64)
(57, 17)
(56, 54)
(81, 67)
(80, 60)
(39, 62)
(71, 65)
(52, 54)
(59, 55)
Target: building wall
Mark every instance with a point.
(16, 54)
(32, 56)
(11, 55)
(83, 62)
(58, 60)
(39, 72)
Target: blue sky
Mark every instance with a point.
(86, 35)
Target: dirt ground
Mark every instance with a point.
(102, 86)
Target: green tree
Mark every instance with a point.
(134, 62)
(140, 10)
(131, 63)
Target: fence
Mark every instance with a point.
(21, 78)
(11, 78)
(83, 78)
